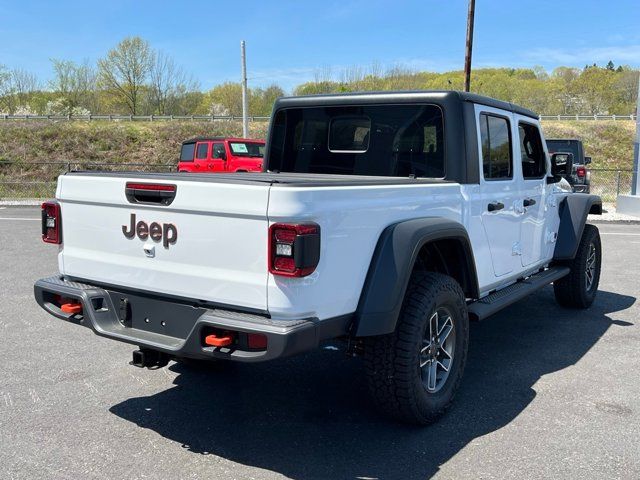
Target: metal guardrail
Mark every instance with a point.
(631, 117)
(38, 179)
(253, 118)
(133, 118)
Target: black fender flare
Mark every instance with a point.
(391, 266)
(573, 211)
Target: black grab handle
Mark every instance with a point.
(150, 193)
(494, 206)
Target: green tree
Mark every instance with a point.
(75, 85)
(125, 70)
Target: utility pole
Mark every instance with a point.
(469, 46)
(245, 108)
(635, 184)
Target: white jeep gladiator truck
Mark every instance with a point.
(386, 219)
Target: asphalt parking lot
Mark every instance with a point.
(548, 393)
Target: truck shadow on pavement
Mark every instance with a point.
(309, 417)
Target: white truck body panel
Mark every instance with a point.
(351, 220)
(220, 254)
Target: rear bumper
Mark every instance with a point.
(177, 327)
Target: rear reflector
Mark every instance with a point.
(294, 249)
(51, 223)
(257, 341)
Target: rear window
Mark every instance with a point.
(565, 146)
(186, 154)
(377, 140)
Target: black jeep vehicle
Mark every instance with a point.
(580, 178)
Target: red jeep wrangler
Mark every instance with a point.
(220, 154)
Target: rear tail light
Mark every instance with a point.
(294, 249)
(581, 172)
(51, 223)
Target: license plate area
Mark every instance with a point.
(150, 314)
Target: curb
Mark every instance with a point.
(20, 203)
(614, 222)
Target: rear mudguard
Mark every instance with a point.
(390, 269)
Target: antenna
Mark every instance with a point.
(245, 108)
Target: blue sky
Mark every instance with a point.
(288, 41)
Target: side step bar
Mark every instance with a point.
(495, 302)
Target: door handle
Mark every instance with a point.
(494, 206)
(527, 202)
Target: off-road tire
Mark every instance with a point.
(392, 362)
(573, 291)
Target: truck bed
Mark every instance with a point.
(281, 179)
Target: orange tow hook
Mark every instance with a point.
(216, 341)
(73, 308)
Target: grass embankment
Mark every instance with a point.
(108, 142)
(608, 143)
(24, 145)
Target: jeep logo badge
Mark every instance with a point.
(167, 232)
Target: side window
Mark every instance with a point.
(495, 135)
(218, 151)
(533, 157)
(201, 151)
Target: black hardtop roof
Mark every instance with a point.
(219, 139)
(412, 96)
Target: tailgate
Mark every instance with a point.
(209, 244)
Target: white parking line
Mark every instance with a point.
(21, 218)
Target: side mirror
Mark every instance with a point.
(561, 163)
(587, 160)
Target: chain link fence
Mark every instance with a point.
(37, 180)
(609, 183)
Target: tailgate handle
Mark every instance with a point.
(150, 193)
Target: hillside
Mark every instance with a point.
(609, 143)
(108, 142)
